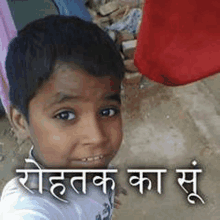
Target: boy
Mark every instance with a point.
(64, 75)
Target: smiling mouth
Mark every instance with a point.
(89, 159)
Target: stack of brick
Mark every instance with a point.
(128, 44)
(105, 13)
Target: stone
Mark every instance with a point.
(108, 8)
(119, 14)
(124, 36)
(128, 48)
(129, 66)
(132, 78)
(102, 22)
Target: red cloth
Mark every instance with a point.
(179, 40)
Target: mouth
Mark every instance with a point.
(97, 159)
(91, 159)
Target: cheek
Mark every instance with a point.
(56, 138)
(116, 134)
(47, 135)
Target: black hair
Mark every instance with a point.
(32, 55)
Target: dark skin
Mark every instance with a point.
(74, 120)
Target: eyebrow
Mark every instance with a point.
(62, 97)
(114, 97)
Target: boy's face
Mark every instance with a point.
(75, 120)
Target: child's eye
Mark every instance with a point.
(109, 112)
(66, 115)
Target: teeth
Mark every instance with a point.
(96, 158)
(92, 158)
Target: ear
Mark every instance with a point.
(19, 123)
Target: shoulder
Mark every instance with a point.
(18, 203)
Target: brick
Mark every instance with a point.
(132, 78)
(102, 22)
(119, 14)
(108, 8)
(124, 36)
(129, 66)
(129, 48)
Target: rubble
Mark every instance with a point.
(122, 23)
(132, 78)
(108, 8)
(128, 48)
(124, 36)
(120, 13)
(129, 22)
(102, 22)
(129, 66)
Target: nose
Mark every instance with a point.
(93, 132)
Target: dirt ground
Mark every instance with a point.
(164, 127)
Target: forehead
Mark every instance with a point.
(70, 79)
